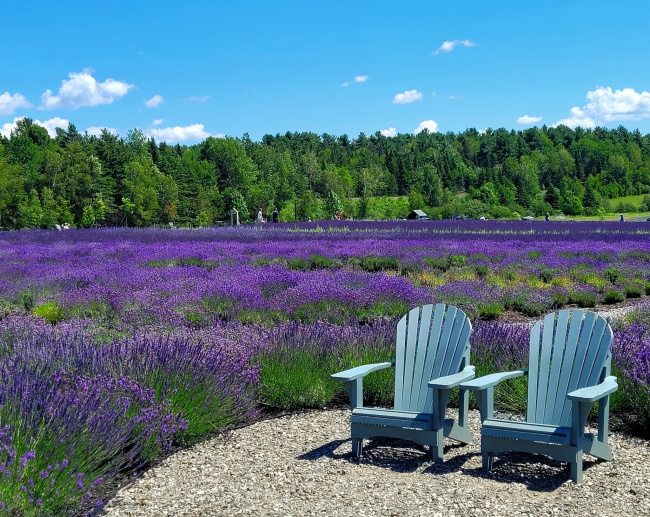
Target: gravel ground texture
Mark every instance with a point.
(301, 465)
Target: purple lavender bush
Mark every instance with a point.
(105, 410)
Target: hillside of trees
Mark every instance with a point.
(107, 180)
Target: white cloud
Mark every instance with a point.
(194, 132)
(429, 125)
(391, 131)
(52, 124)
(97, 130)
(606, 105)
(357, 79)
(8, 103)
(202, 98)
(157, 122)
(83, 90)
(578, 118)
(8, 127)
(155, 101)
(448, 46)
(407, 96)
(49, 125)
(527, 120)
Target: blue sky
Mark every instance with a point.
(181, 71)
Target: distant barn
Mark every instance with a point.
(417, 215)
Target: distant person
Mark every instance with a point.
(622, 218)
(275, 216)
(482, 218)
(66, 226)
(345, 215)
(337, 216)
(548, 217)
(260, 217)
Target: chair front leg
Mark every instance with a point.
(603, 419)
(463, 407)
(485, 400)
(579, 415)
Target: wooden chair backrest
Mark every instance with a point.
(432, 342)
(568, 350)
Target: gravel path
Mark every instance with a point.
(301, 465)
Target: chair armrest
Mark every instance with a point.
(594, 393)
(451, 381)
(489, 381)
(360, 371)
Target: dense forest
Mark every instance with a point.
(107, 180)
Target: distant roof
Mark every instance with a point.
(419, 213)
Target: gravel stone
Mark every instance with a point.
(301, 465)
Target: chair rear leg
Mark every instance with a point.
(437, 449)
(488, 461)
(357, 447)
(576, 468)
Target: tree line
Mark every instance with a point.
(87, 180)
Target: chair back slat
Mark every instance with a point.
(559, 345)
(459, 343)
(599, 345)
(431, 348)
(431, 343)
(400, 350)
(414, 328)
(567, 364)
(421, 352)
(533, 370)
(567, 352)
(457, 348)
(544, 366)
(581, 351)
(445, 335)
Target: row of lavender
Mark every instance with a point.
(286, 273)
(119, 345)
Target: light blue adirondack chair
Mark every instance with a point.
(432, 357)
(568, 370)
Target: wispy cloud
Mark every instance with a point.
(527, 120)
(193, 133)
(9, 103)
(157, 122)
(430, 125)
(82, 89)
(391, 131)
(202, 98)
(357, 79)
(50, 125)
(407, 97)
(606, 105)
(448, 46)
(155, 101)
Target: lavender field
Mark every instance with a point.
(120, 345)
